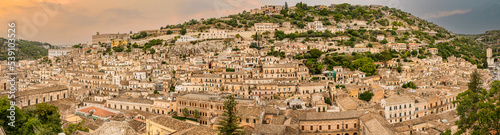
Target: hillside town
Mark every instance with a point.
(327, 76)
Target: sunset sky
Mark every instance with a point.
(67, 22)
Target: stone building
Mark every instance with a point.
(398, 108)
(108, 38)
(209, 106)
(261, 27)
(35, 96)
(334, 123)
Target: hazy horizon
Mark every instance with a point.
(68, 22)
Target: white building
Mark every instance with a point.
(58, 52)
(380, 37)
(214, 34)
(139, 75)
(185, 39)
(265, 27)
(316, 25)
(398, 108)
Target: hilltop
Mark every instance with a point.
(347, 25)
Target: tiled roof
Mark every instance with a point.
(98, 111)
(330, 115)
(172, 123)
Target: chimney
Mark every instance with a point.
(97, 33)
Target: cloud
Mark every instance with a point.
(445, 13)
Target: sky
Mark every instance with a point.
(69, 22)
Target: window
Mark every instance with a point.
(247, 120)
(338, 126)
(320, 127)
(311, 127)
(346, 126)
(329, 127)
(302, 127)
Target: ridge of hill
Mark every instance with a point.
(370, 21)
(26, 50)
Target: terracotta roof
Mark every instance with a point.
(376, 124)
(269, 129)
(350, 103)
(171, 123)
(197, 130)
(98, 111)
(42, 90)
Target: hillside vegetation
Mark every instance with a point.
(386, 20)
(26, 50)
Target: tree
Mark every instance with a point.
(49, 114)
(152, 51)
(230, 120)
(316, 53)
(183, 31)
(366, 96)
(185, 112)
(475, 82)
(76, 127)
(257, 37)
(169, 32)
(414, 52)
(196, 114)
(156, 92)
(478, 108)
(44, 119)
(143, 34)
(230, 70)
(366, 65)
(370, 45)
(172, 88)
(447, 132)
(279, 35)
(237, 36)
(328, 100)
(410, 84)
(384, 41)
